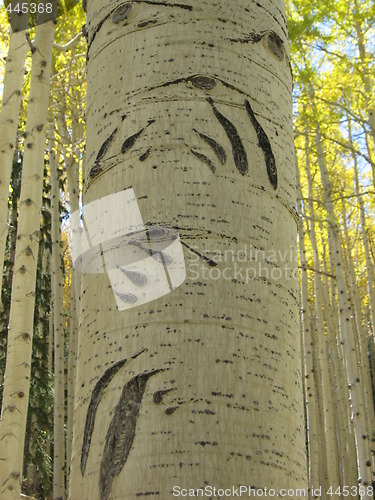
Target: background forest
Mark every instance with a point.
(332, 46)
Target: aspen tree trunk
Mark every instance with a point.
(346, 325)
(345, 436)
(58, 317)
(365, 58)
(189, 104)
(10, 107)
(72, 172)
(347, 432)
(312, 405)
(17, 372)
(329, 419)
(366, 244)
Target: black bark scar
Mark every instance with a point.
(206, 160)
(214, 145)
(209, 261)
(96, 397)
(264, 143)
(121, 431)
(239, 153)
(104, 147)
(130, 141)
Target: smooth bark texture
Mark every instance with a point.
(17, 373)
(190, 105)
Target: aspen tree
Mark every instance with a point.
(10, 107)
(329, 421)
(17, 372)
(58, 328)
(346, 326)
(312, 405)
(363, 229)
(72, 172)
(345, 436)
(361, 336)
(189, 104)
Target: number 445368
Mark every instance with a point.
(351, 491)
(25, 8)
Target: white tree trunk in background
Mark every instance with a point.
(311, 401)
(10, 108)
(189, 104)
(347, 333)
(58, 322)
(17, 372)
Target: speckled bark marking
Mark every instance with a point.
(264, 143)
(239, 153)
(96, 397)
(121, 431)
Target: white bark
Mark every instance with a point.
(223, 400)
(10, 107)
(311, 402)
(346, 326)
(17, 373)
(59, 341)
(329, 421)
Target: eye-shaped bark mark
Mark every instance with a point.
(121, 431)
(214, 145)
(137, 278)
(96, 169)
(96, 397)
(155, 232)
(275, 45)
(121, 13)
(209, 261)
(130, 141)
(264, 143)
(203, 82)
(206, 160)
(238, 150)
